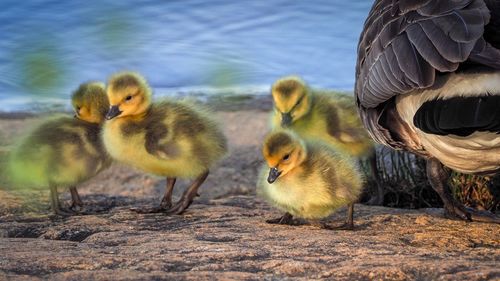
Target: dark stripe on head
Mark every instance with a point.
(277, 140)
(93, 95)
(288, 86)
(82, 89)
(125, 80)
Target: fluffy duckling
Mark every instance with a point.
(327, 116)
(307, 179)
(64, 151)
(168, 138)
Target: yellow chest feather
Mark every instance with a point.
(300, 197)
(131, 150)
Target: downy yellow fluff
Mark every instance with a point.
(169, 138)
(307, 179)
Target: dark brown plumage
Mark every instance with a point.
(423, 72)
(276, 141)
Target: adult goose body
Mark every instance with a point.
(428, 81)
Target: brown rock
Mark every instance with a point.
(422, 220)
(223, 235)
(229, 239)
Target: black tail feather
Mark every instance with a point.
(460, 116)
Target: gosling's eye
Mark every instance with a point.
(286, 157)
(128, 98)
(78, 108)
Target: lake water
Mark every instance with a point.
(186, 47)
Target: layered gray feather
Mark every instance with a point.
(405, 42)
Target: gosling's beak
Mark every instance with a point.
(113, 112)
(273, 175)
(286, 119)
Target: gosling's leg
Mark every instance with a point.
(188, 196)
(349, 222)
(347, 225)
(378, 199)
(54, 201)
(166, 201)
(76, 201)
(287, 218)
(438, 177)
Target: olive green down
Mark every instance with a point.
(62, 150)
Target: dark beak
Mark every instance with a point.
(113, 112)
(273, 175)
(286, 119)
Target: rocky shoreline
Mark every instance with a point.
(229, 239)
(223, 235)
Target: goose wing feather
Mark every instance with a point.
(415, 38)
(405, 44)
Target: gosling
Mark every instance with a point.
(171, 139)
(64, 151)
(308, 180)
(327, 116)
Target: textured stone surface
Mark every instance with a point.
(228, 238)
(224, 235)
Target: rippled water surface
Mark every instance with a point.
(190, 47)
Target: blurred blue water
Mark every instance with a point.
(183, 47)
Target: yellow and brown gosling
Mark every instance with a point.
(168, 138)
(307, 179)
(64, 151)
(324, 115)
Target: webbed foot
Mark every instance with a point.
(438, 177)
(188, 196)
(344, 226)
(455, 210)
(63, 213)
(287, 219)
(76, 207)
